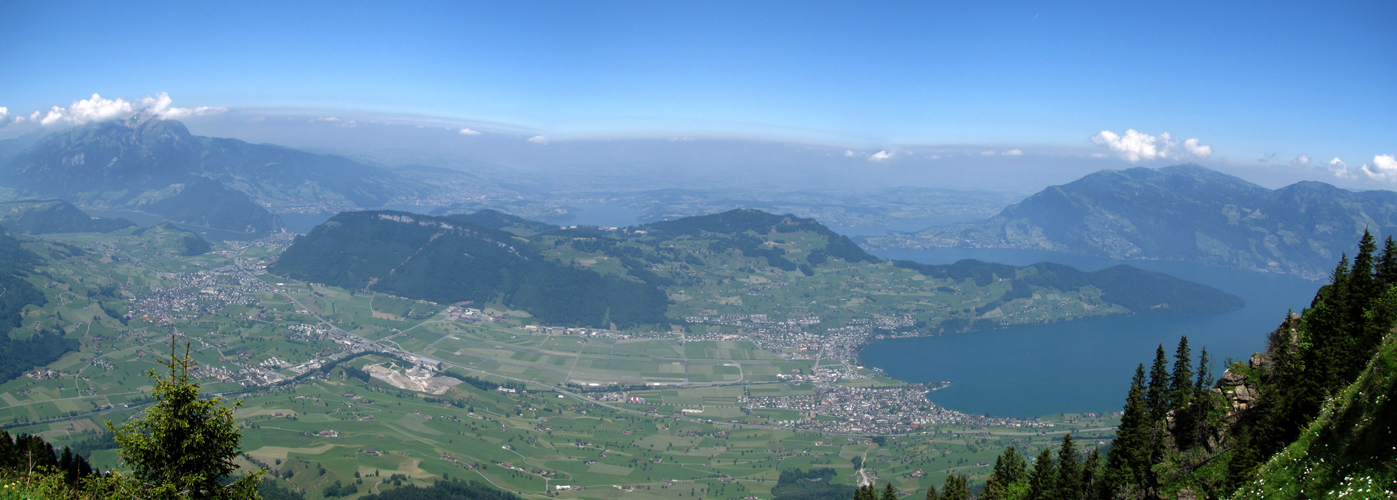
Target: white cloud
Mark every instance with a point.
(1100, 155)
(4, 113)
(880, 156)
(538, 139)
(1383, 168)
(1136, 146)
(466, 131)
(95, 109)
(848, 153)
(1196, 149)
(1341, 170)
(1300, 161)
(987, 153)
(160, 106)
(1013, 152)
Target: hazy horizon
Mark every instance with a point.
(1008, 98)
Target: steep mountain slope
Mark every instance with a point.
(1348, 451)
(136, 163)
(54, 216)
(741, 262)
(450, 261)
(1184, 212)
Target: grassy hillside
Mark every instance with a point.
(1349, 451)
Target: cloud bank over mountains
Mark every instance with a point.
(1136, 146)
(1118, 150)
(97, 109)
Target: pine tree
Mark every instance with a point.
(1157, 397)
(1205, 372)
(1386, 272)
(1091, 474)
(931, 493)
(889, 493)
(66, 464)
(9, 458)
(956, 487)
(1042, 482)
(1377, 321)
(184, 445)
(1010, 475)
(1128, 456)
(1181, 382)
(1069, 471)
(1191, 419)
(1362, 290)
(1325, 328)
(1011, 466)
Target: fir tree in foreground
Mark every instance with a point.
(184, 445)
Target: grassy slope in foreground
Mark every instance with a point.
(1349, 451)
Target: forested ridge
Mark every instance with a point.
(1141, 291)
(448, 260)
(18, 355)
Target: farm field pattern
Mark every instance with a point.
(380, 391)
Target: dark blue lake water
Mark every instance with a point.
(1080, 366)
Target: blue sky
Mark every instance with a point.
(1250, 80)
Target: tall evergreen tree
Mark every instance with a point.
(1157, 397)
(1205, 372)
(931, 493)
(1129, 450)
(65, 464)
(1069, 471)
(1386, 271)
(1377, 321)
(1042, 482)
(956, 487)
(1181, 380)
(1011, 466)
(1010, 476)
(889, 493)
(1091, 474)
(1190, 421)
(9, 459)
(1362, 282)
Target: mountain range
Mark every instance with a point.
(741, 261)
(1183, 212)
(159, 167)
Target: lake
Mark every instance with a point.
(1080, 366)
